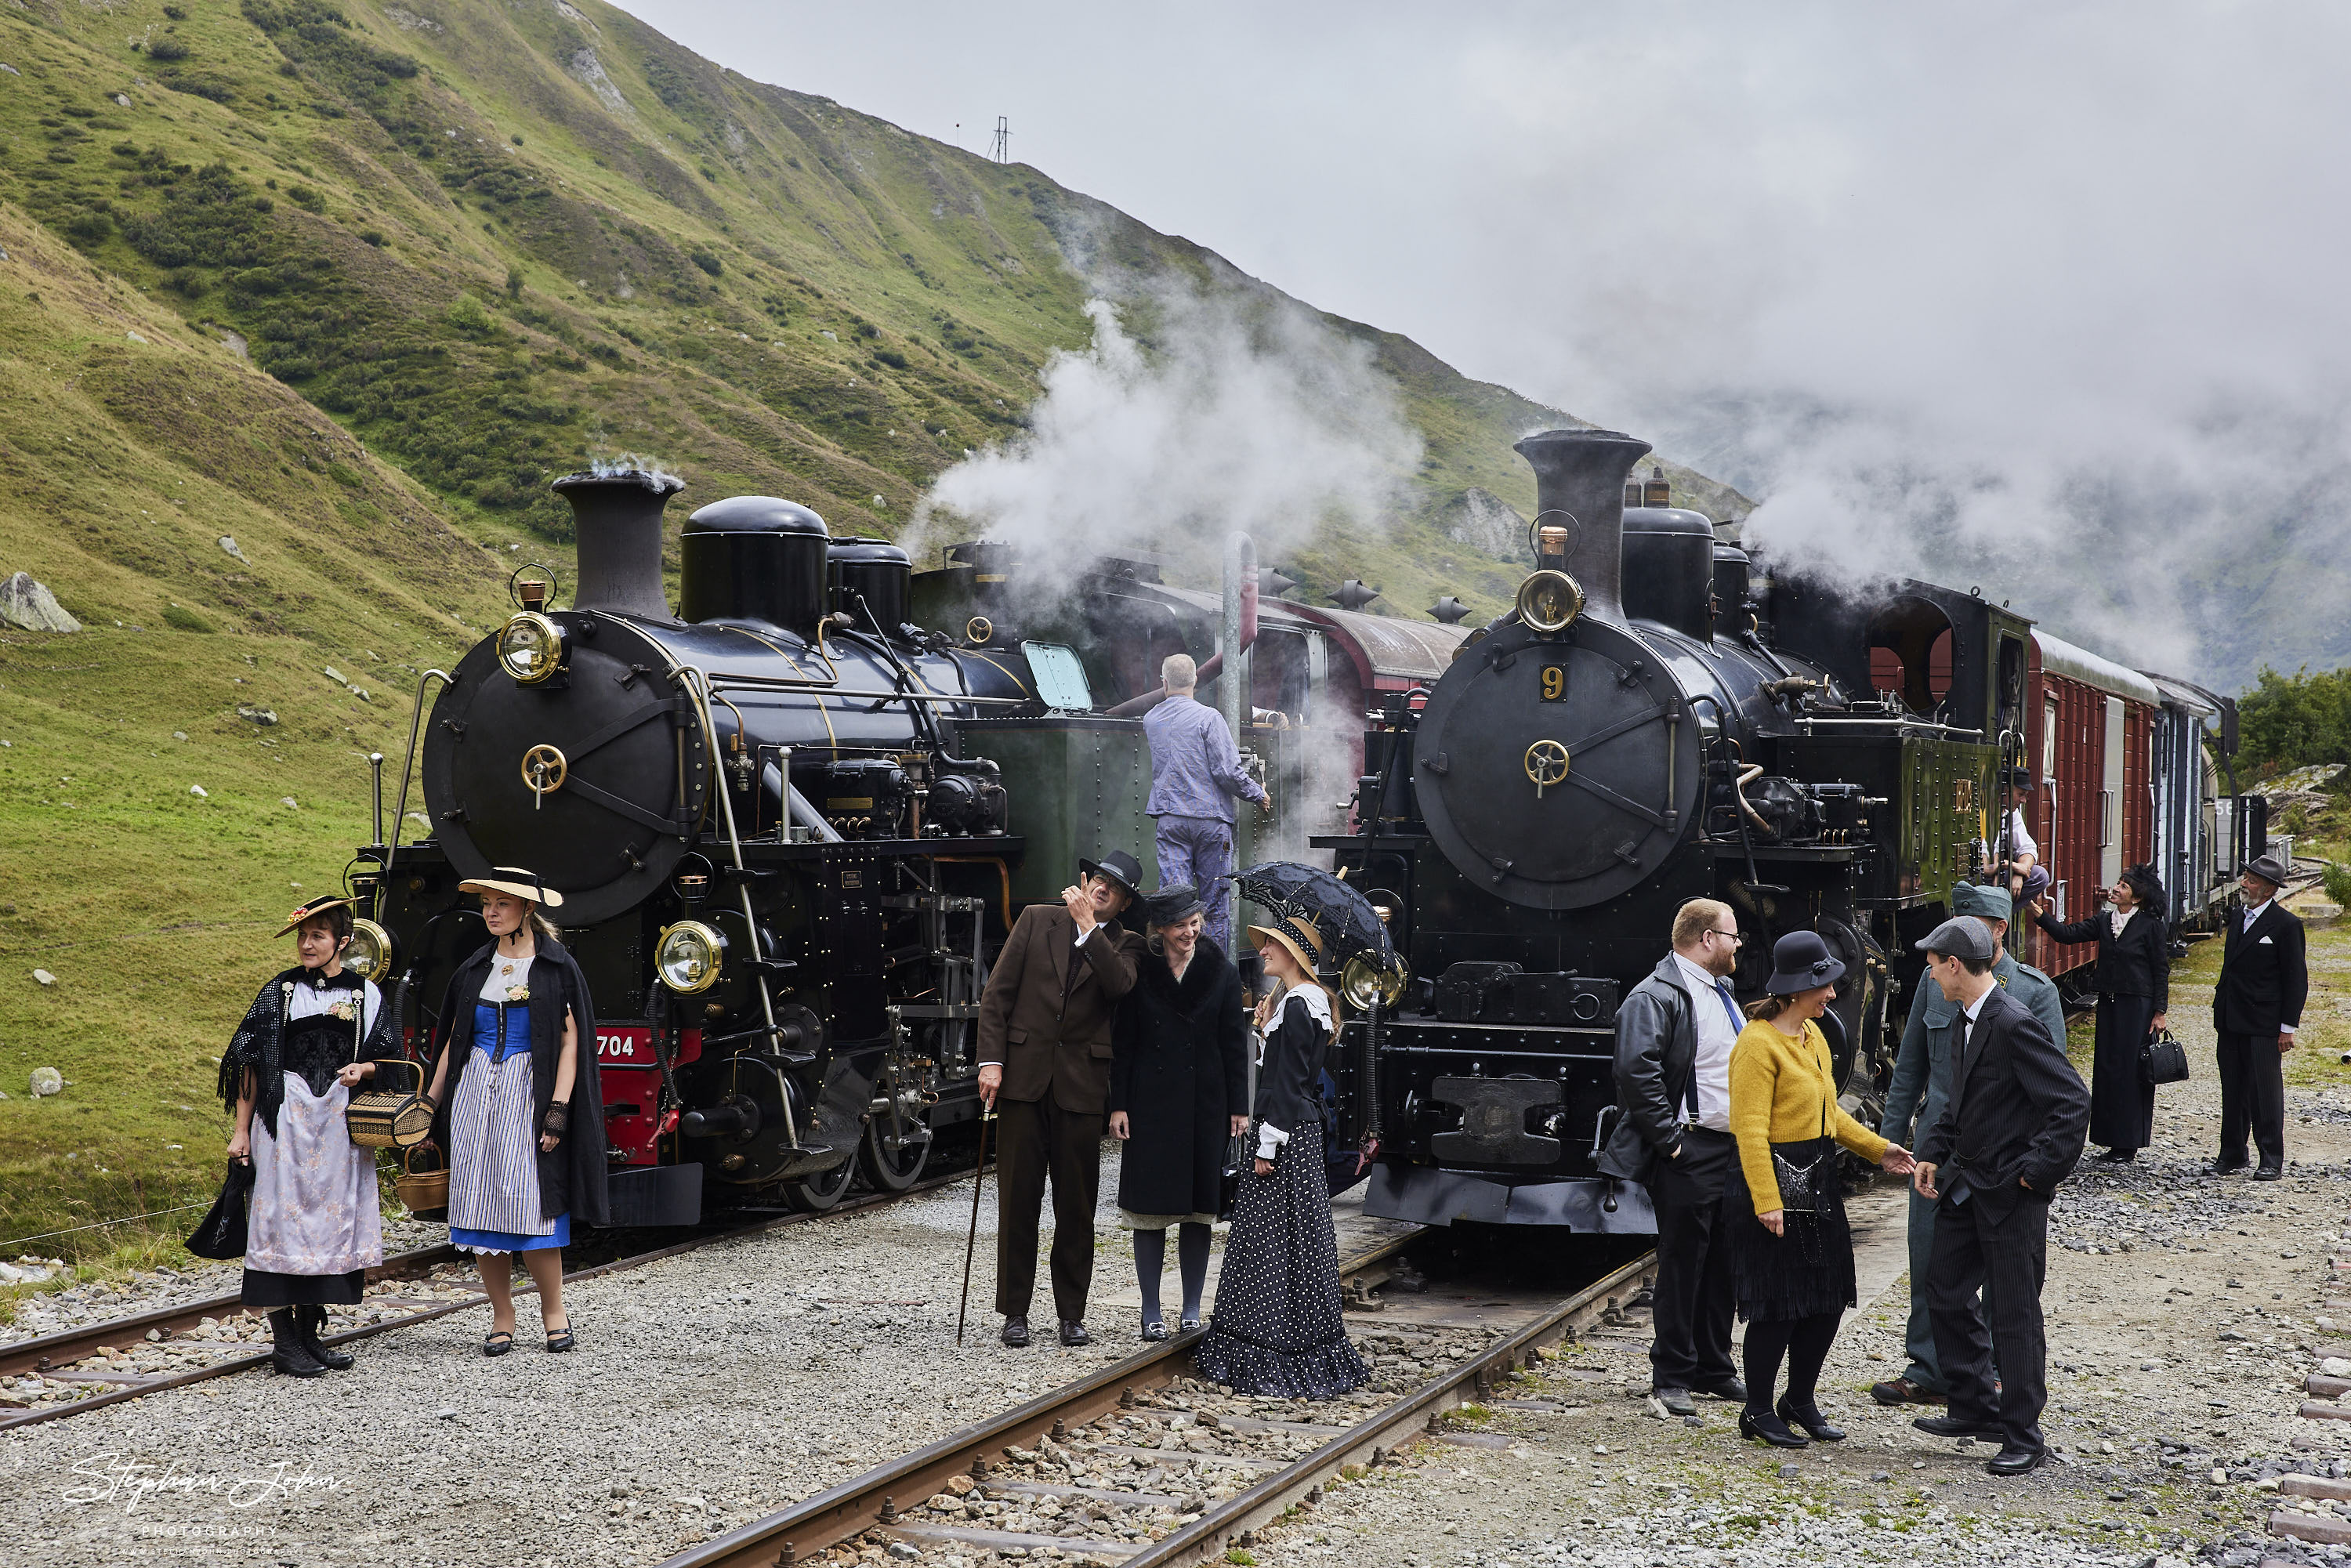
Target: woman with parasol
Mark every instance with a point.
(1278, 1328)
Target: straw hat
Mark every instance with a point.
(1296, 933)
(514, 881)
(310, 911)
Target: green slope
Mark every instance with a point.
(388, 268)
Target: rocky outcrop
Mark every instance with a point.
(29, 606)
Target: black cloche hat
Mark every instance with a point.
(1801, 961)
(1119, 867)
(1177, 900)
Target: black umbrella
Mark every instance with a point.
(1344, 915)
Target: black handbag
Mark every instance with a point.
(1229, 1180)
(221, 1233)
(2163, 1060)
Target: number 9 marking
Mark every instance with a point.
(1554, 683)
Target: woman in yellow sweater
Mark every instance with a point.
(1791, 1264)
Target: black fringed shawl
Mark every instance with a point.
(259, 1042)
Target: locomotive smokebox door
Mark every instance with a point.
(614, 758)
(1557, 771)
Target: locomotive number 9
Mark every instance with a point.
(1554, 683)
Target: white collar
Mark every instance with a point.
(1974, 1008)
(1317, 1000)
(1699, 978)
(2255, 912)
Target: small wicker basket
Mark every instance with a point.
(424, 1192)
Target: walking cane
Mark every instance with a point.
(971, 1242)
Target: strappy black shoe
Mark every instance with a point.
(497, 1343)
(1155, 1330)
(1190, 1324)
(1808, 1415)
(558, 1340)
(1770, 1429)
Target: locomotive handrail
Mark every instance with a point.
(1899, 721)
(778, 684)
(407, 766)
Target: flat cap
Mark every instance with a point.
(1974, 898)
(1962, 937)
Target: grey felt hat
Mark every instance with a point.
(1175, 901)
(1974, 898)
(1962, 937)
(2269, 869)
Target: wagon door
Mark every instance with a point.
(2110, 798)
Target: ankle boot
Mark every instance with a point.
(287, 1354)
(311, 1321)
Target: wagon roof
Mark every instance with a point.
(2062, 658)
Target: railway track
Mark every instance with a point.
(1035, 1477)
(55, 1358)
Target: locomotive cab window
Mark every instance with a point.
(1911, 654)
(1060, 678)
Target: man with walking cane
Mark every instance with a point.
(1044, 1068)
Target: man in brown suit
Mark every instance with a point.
(1044, 1048)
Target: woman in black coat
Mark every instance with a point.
(1178, 1095)
(2134, 1004)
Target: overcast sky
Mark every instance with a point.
(1946, 284)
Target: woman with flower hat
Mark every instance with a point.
(517, 1104)
(313, 1227)
(1277, 1327)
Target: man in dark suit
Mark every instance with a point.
(2011, 1132)
(2257, 1008)
(1673, 1035)
(1044, 1050)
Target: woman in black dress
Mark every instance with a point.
(2133, 1005)
(314, 1225)
(1277, 1328)
(1178, 1083)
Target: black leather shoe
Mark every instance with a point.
(1674, 1401)
(307, 1321)
(2017, 1461)
(1729, 1388)
(2270, 1173)
(1960, 1426)
(2229, 1168)
(1016, 1331)
(1816, 1424)
(1772, 1430)
(1073, 1333)
(1902, 1391)
(2115, 1156)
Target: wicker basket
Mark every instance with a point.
(425, 1193)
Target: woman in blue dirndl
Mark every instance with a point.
(517, 1104)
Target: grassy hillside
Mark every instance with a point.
(348, 285)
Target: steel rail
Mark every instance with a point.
(44, 1349)
(868, 1501)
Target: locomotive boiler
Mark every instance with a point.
(778, 870)
(1655, 721)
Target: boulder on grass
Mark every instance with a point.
(30, 607)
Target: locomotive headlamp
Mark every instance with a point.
(1363, 982)
(690, 956)
(530, 646)
(369, 954)
(1549, 600)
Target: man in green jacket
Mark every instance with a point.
(1922, 1083)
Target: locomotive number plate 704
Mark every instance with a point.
(1554, 683)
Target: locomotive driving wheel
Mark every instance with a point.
(820, 1190)
(897, 1142)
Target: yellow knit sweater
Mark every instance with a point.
(1781, 1093)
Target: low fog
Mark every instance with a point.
(2043, 298)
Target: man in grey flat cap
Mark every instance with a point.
(2012, 1131)
(1915, 1102)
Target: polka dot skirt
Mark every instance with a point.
(1277, 1327)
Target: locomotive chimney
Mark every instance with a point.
(1580, 493)
(618, 518)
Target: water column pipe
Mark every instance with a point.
(1240, 629)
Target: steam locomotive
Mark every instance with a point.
(794, 818)
(1658, 720)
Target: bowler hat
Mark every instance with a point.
(2269, 868)
(1962, 937)
(1801, 961)
(1178, 900)
(1119, 867)
(1991, 903)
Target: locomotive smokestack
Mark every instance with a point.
(619, 520)
(1580, 509)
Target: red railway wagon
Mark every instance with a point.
(2090, 739)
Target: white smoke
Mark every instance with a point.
(1191, 414)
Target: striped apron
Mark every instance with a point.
(494, 1160)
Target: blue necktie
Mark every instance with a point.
(1730, 1004)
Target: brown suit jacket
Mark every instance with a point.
(1050, 1035)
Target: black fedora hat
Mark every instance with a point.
(1119, 867)
(1801, 961)
(2269, 868)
